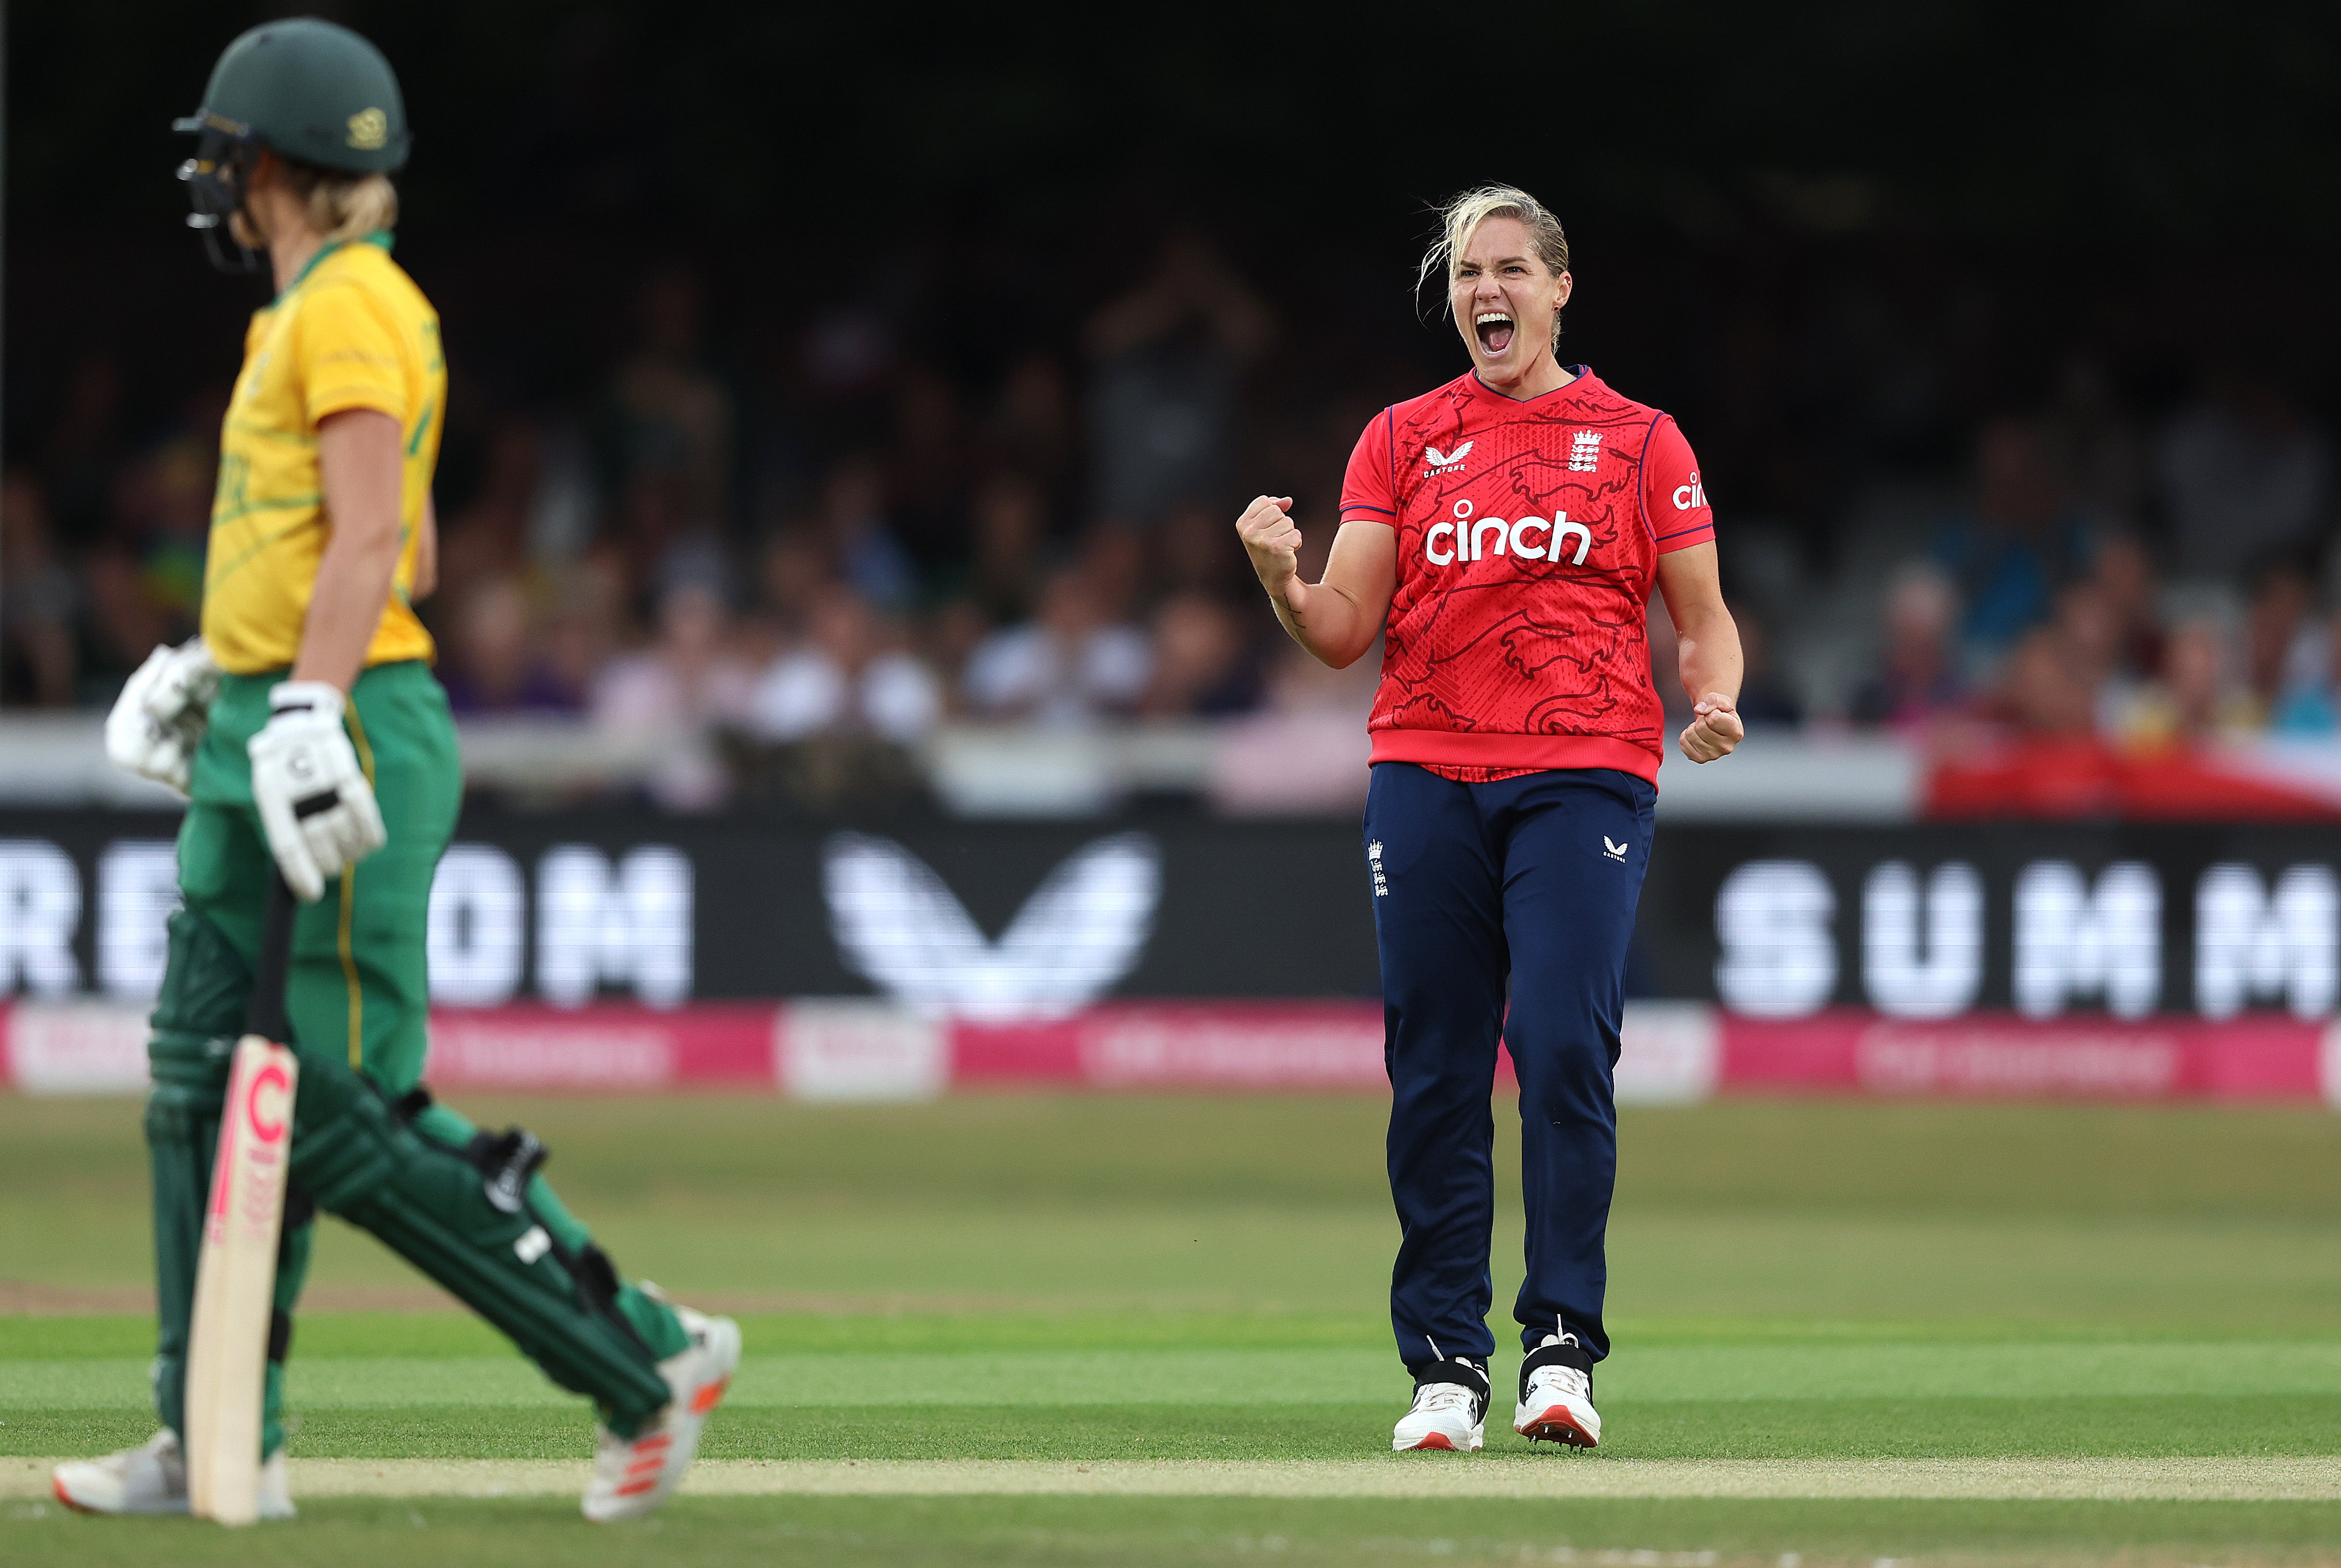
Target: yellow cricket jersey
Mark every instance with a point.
(351, 332)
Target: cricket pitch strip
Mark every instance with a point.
(2296, 1480)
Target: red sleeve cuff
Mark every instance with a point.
(1702, 534)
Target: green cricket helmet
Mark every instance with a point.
(304, 89)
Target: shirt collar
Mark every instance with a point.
(381, 238)
(1583, 372)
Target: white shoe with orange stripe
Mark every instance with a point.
(1557, 1394)
(1449, 1409)
(152, 1478)
(630, 1478)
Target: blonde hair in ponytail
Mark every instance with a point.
(344, 207)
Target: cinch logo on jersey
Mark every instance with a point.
(1688, 496)
(1444, 462)
(1530, 538)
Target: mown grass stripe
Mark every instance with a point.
(1446, 1476)
(1701, 1374)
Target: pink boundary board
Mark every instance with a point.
(850, 1048)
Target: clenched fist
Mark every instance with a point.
(1714, 729)
(1272, 541)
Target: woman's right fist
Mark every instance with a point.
(1271, 540)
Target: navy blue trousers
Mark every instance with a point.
(1530, 882)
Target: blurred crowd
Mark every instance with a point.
(2148, 588)
(866, 551)
(792, 575)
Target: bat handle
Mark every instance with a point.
(264, 1014)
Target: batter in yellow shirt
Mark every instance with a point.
(351, 332)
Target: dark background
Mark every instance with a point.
(1771, 205)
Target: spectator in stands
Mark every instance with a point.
(2123, 568)
(795, 577)
(947, 640)
(1069, 665)
(1168, 355)
(2045, 687)
(496, 665)
(1011, 520)
(2243, 476)
(1919, 681)
(1200, 668)
(2090, 620)
(1113, 560)
(2284, 642)
(2022, 539)
(582, 633)
(488, 537)
(686, 678)
(1306, 749)
(1299, 684)
(844, 678)
(676, 693)
(37, 600)
(861, 539)
(2191, 700)
(2311, 706)
(654, 528)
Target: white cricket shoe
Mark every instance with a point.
(1557, 1395)
(152, 1478)
(630, 1479)
(1449, 1409)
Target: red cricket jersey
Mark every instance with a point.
(1528, 538)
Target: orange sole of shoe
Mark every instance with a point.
(1555, 1426)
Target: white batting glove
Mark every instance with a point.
(158, 721)
(315, 806)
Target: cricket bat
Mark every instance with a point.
(236, 1279)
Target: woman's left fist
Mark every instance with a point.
(1714, 729)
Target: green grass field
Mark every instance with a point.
(1941, 1305)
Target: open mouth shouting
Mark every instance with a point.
(1495, 329)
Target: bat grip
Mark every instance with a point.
(264, 1015)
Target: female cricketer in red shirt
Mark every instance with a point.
(1502, 537)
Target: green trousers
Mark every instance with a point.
(358, 991)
